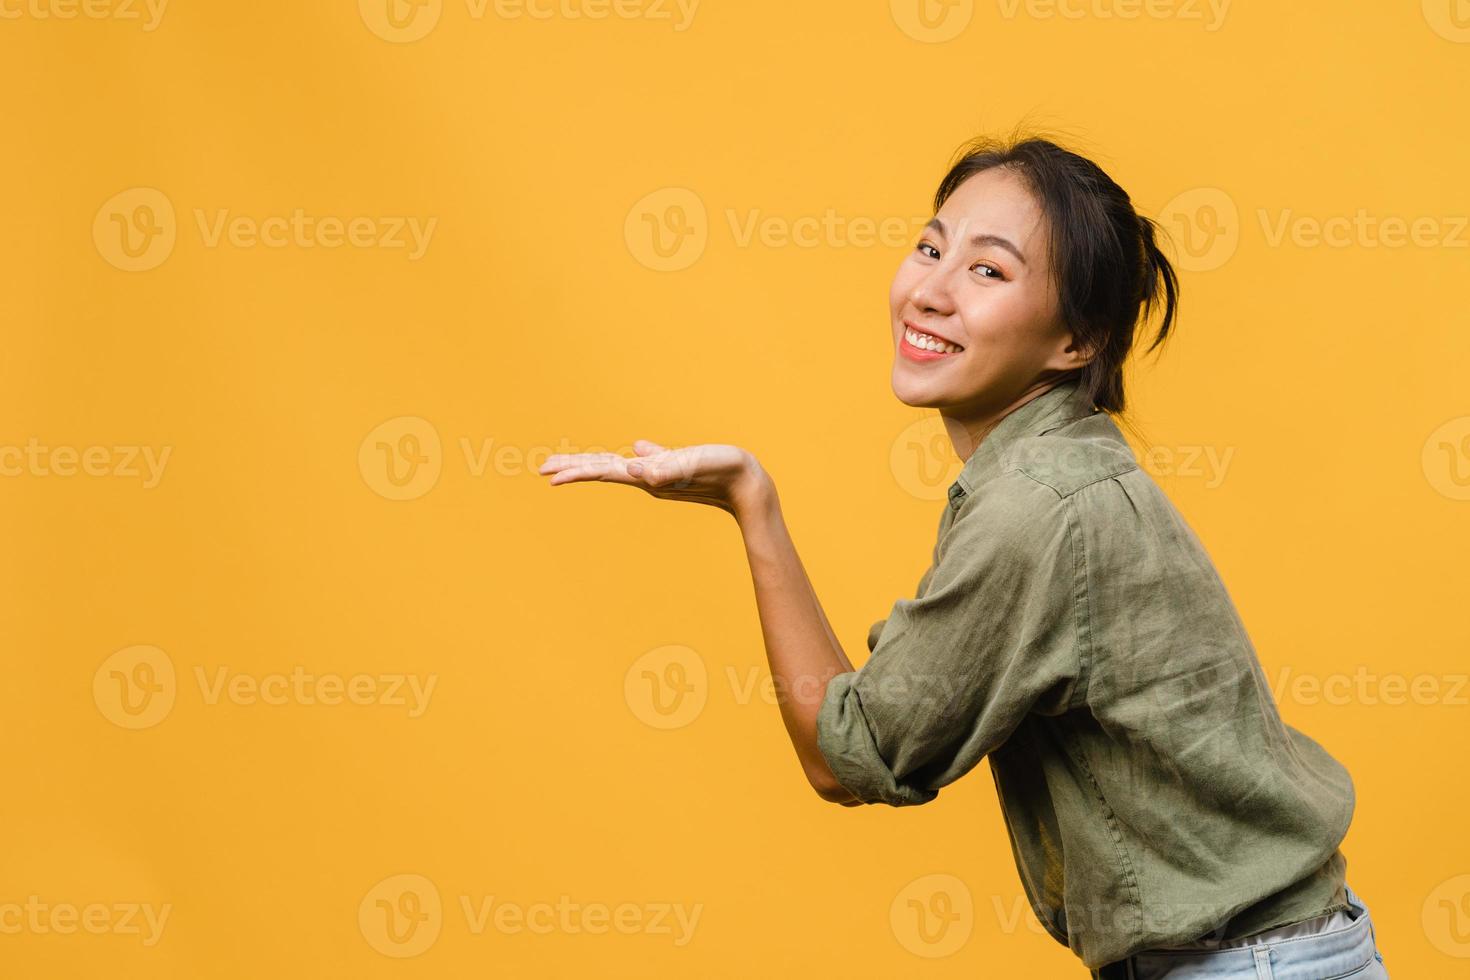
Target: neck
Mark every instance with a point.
(967, 429)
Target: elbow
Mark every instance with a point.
(830, 790)
(824, 781)
(840, 796)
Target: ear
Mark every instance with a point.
(1070, 353)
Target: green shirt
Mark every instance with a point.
(1072, 628)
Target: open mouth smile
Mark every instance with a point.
(919, 346)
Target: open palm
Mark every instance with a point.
(712, 473)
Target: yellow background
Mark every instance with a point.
(537, 320)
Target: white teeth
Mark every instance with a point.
(925, 342)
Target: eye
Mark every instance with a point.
(933, 253)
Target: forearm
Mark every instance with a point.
(801, 648)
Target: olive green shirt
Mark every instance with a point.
(1072, 628)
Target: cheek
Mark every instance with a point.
(904, 280)
(1003, 318)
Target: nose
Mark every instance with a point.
(931, 294)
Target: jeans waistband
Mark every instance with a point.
(1326, 954)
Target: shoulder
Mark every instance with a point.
(1010, 517)
(1029, 506)
(1072, 456)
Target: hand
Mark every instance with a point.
(721, 476)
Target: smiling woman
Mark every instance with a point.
(1037, 264)
(1071, 628)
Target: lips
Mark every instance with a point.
(922, 354)
(911, 325)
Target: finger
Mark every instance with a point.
(660, 473)
(680, 465)
(613, 469)
(574, 474)
(646, 447)
(557, 462)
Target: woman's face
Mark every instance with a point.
(992, 297)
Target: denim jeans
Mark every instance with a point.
(1345, 947)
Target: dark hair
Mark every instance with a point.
(1106, 263)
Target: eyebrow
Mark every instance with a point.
(980, 241)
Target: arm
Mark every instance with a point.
(993, 635)
(803, 652)
(995, 632)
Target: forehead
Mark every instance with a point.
(995, 202)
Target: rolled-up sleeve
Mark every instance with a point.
(992, 635)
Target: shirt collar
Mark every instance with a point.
(1064, 402)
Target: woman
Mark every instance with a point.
(1164, 821)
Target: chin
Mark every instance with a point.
(915, 395)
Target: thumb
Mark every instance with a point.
(645, 447)
(646, 472)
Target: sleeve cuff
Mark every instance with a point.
(846, 742)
